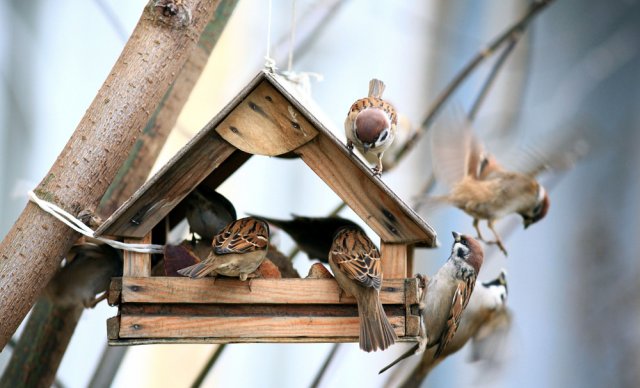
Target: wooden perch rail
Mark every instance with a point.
(165, 309)
(159, 46)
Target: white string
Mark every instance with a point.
(270, 63)
(81, 228)
(292, 35)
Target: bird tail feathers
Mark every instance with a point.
(376, 332)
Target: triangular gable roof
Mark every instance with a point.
(269, 105)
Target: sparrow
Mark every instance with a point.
(448, 293)
(313, 235)
(207, 212)
(485, 322)
(237, 250)
(371, 124)
(88, 272)
(355, 262)
(480, 186)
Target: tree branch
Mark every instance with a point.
(158, 48)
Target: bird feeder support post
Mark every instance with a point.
(395, 260)
(137, 264)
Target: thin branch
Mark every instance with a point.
(325, 365)
(207, 367)
(516, 29)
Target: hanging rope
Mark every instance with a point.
(270, 63)
(83, 229)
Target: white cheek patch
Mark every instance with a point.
(460, 250)
(541, 193)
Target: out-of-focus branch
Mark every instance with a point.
(325, 365)
(207, 367)
(508, 35)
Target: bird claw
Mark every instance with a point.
(377, 172)
(498, 243)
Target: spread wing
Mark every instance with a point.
(242, 236)
(461, 298)
(456, 152)
(358, 258)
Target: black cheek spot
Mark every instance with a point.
(384, 136)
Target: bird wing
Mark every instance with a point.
(461, 298)
(358, 258)
(242, 236)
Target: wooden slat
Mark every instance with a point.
(113, 327)
(367, 196)
(115, 291)
(394, 260)
(237, 340)
(265, 123)
(135, 263)
(268, 327)
(209, 290)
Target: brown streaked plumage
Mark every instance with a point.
(480, 186)
(355, 262)
(238, 250)
(447, 294)
(371, 124)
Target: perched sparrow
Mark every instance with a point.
(371, 124)
(485, 321)
(447, 294)
(355, 262)
(314, 235)
(208, 212)
(238, 250)
(480, 186)
(88, 272)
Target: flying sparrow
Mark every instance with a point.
(87, 273)
(480, 186)
(208, 211)
(371, 124)
(355, 262)
(447, 294)
(313, 235)
(238, 250)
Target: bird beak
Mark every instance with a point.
(456, 236)
(527, 223)
(365, 147)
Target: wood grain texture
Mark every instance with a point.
(113, 327)
(266, 123)
(274, 291)
(168, 187)
(148, 65)
(366, 195)
(136, 263)
(115, 291)
(238, 340)
(394, 260)
(239, 327)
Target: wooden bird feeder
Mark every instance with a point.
(268, 118)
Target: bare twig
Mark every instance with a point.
(207, 367)
(514, 30)
(325, 365)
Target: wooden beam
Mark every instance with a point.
(394, 260)
(114, 292)
(367, 196)
(265, 327)
(135, 263)
(240, 340)
(271, 291)
(265, 123)
(168, 187)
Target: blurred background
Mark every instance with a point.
(574, 278)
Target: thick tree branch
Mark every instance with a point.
(158, 48)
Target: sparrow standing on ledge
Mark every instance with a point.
(313, 235)
(480, 186)
(447, 294)
(355, 262)
(371, 124)
(238, 250)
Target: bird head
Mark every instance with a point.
(468, 249)
(499, 287)
(538, 211)
(373, 128)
